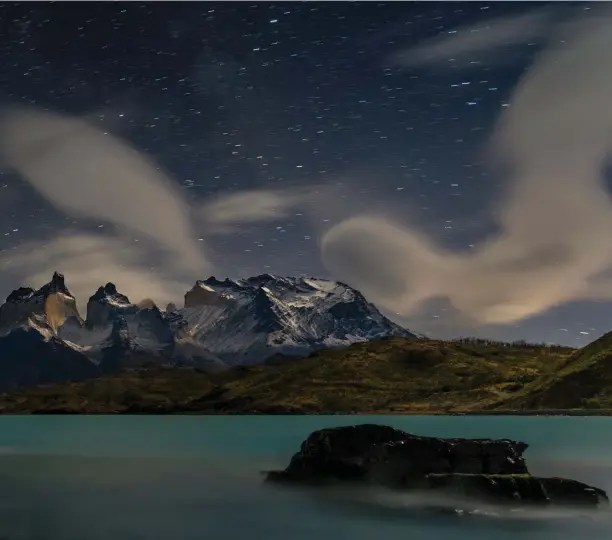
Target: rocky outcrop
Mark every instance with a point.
(52, 301)
(484, 469)
(118, 348)
(106, 305)
(202, 295)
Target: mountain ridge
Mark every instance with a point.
(222, 323)
(386, 375)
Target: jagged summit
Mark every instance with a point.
(107, 304)
(108, 300)
(109, 288)
(258, 316)
(56, 285)
(201, 294)
(109, 293)
(142, 326)
(223, 322)
(212, 280)
(50, 305)
(20, 294)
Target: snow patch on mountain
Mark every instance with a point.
(223, 322)
(145, 323)
(52, 303)
(246, 321)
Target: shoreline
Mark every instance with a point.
(161, 412)
(552, 412)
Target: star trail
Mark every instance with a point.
(234, 96)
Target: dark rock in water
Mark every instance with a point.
(516, 489)
(485, 469)
(390, 456)
(563, 491)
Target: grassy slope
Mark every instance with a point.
(394, 375)
(584, 380)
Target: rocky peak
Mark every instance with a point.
(56, 285)
(203, 295)
(261, 279)
(20, 294)
(25, 302)
(58, 282)
(214, 282)
(105, 304)
(109, 291)
(110, 288)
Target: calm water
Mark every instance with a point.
(180, 478)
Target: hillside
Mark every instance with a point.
(390, 375)
(583, 381)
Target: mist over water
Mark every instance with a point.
(99, 478)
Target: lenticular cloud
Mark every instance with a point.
(555, 219)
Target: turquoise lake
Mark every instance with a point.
(198, 478)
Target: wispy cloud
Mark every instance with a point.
(227, 211)
(555, 219)
(487, 37)
(83, 171)
(86, 172)
(89, 261)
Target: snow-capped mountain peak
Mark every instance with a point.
(203, 294)
(109, 294)
(223, 322)
(253, 318)
(105, 305)
(144, 323)
(56, 285)
(52, 302)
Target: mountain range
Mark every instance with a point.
(223, 323)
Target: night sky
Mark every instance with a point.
(232, 96)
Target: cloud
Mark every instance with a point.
(83, 171)
(89, 261)
(555, 219)
(484, 38)
(86, 172)
(226, 211)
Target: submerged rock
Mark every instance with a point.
(490, 470)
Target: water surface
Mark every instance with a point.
(197, 477)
